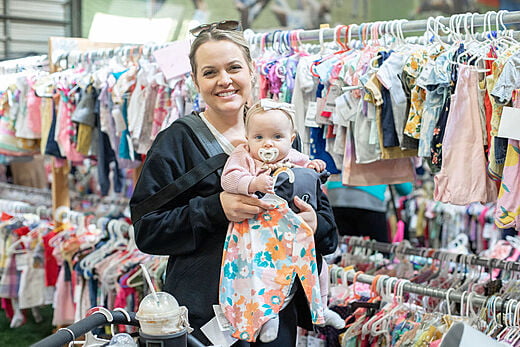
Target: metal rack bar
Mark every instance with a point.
(433, 253)
(421, 25)
(105, 53)
(409, 287)
(7, 188)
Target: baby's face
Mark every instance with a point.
(269, 130)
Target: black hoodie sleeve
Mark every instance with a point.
(183, 224)
(326, 235)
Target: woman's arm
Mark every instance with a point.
(326, 235)
(179, 227)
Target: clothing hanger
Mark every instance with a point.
(384, 325)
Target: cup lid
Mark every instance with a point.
(151, 308)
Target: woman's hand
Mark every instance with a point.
(238, 207)
(307, 213)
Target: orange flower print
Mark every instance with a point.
(284, 275)
(241, 227)
(274, 299)
(253, 313)
(251, 307)
(276, 248)
(306, 276)
(270, 218)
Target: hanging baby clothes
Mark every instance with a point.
(274, 248)
(459, 183)
(507, 213)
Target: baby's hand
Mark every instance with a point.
(262, 183)
(317, 164)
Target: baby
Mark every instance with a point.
(270, 132)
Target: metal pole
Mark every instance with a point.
(435, 254)
(416, 25)
(476, 300)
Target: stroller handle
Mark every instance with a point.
(65, 335)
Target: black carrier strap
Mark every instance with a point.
(217, 160)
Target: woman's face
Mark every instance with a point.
(223, 77)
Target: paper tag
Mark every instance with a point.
(330, 100)
(510, 123)
(315, 342)
(174, 60)
(22, 261)
(425, 76)
(310, 116)
(222, 321)
(217, 337)
(302, 341)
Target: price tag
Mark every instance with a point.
(330, 101)
(217, 337)
(302, 341)
(510, 123)
(222, 321)
(310, 116)
(315, 342)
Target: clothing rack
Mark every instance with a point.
(78, 217)
(409, 287)
(433, 253)
(14, 207)
(464, 21)
(24, 189)
(46, 194)
(96, 199)
(107, 53)
(18, 65)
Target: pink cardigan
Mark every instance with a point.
(241, 168)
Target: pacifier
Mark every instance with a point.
(268, 155)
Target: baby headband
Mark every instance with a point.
(268, 104)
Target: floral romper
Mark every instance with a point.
(262, 257)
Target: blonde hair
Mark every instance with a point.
(235, 36)
(264, 105)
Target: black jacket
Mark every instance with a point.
(192, 228)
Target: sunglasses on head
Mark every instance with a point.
(229, 25)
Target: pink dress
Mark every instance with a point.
(463, 179)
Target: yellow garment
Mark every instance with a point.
(419, 229)
(431, 334)
(411, 71)
(46, 114)
(84, 138)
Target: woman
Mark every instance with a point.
(191, 229)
